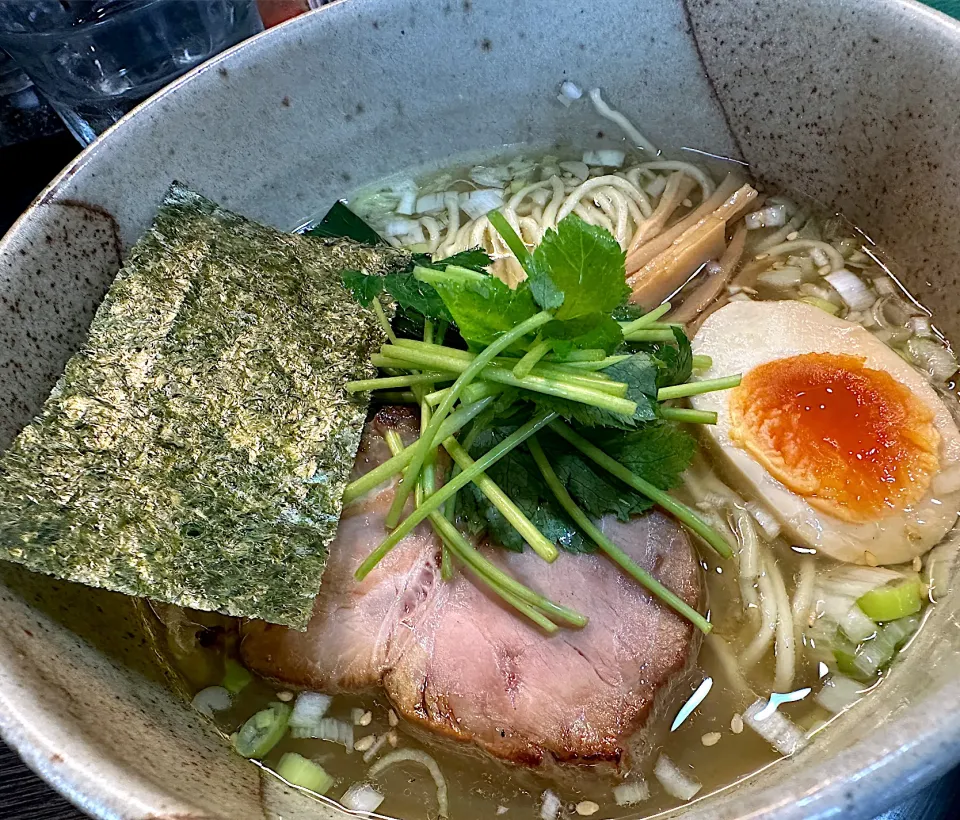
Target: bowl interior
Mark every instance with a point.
(280, 127)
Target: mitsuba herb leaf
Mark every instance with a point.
(341, 222)
(657, 452)
(482, 306)
(628, 312)
(412, 294)
(364, 287)
(579, 270)
(474, 259)
(519, 477)
(589, 332)
(594, 494)
(675, 364)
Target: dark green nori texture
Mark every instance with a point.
(196, 449)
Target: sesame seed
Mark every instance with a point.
(762, 256)
(285, 697)
(710, 739)
(365, 719)
(736, 724)
(364, 743)
(917, 564)
(792, 235)
(392, 717)
(869, 558)
(587, 807)
(393, 739)
(686, 204)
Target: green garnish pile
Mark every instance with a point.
(560, 365)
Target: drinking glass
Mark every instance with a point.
(94, 60)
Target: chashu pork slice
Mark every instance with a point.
(358, 629)
(456, 662)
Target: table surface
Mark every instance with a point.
(23, 796)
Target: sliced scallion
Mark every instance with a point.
(298, 771)
(263, 731)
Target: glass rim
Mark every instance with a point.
(85, 28)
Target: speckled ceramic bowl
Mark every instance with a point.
(853, 102)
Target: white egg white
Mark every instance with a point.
(742, 335)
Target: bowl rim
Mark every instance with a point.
(934, 739)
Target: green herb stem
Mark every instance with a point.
(395, 397)
(537, 541)
(458, 419)
(364, 385)
(600, 365)
(512, 239)
(702, 362)
(646, 335)
(679, 391)
(680, 511)
(682, 414)
(479, 390)
(422, 447)
(559, 370)
(592, 393)
(435, 501)
(395, 443)
(617, 555)
(593, 354)
(500, 580)
(531, 357)
(383, 320)
(646, 320)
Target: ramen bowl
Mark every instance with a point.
(852, 104)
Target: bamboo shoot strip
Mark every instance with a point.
(680, 511)
(422, 447)
(392, 466)
(482, 464)
(536, 540)
(617, 555)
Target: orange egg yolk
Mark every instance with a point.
(852, 441)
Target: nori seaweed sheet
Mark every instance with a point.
(196, 449)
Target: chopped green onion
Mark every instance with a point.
(701, 362)
(487, 460)
(423, 444)
(646, 320)
(536, 540)
(617, 555)
(892, 601)
(365, 385)
(263, 731)
(531, 357)
(823, 304)
(462, 416)
(679, 391)
(236, 678)
(663, 499)
(298, 771)
(682, 414)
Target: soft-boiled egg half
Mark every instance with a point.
(849, 446)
